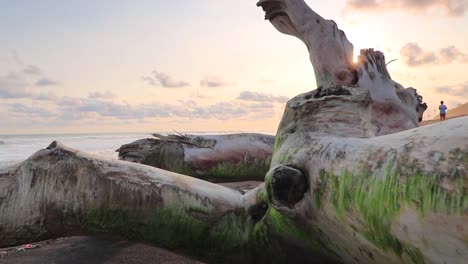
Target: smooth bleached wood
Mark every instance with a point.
(399, 198)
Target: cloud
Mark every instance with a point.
(220, 111)
(98, 105)
(18, 84)
(224, 110)
(197, 94)
(46, 82)
(455, 90)
(82, 108)
(104, 95)
(16, 58)
(359, 4)
(451, 54)
(164, 80)
(261, 97)
(102, 108)
(78, 108)
(261, 105)
(67, 101)
(451, 7)
(45, 96)
(66, 110)
(189, 103)
(149, 81)
(13, 85)
(21, 84)
(32, 70)
(21, 109)
(213, 82)
(414, 55)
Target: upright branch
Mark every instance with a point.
(394, 108)
(330, 51)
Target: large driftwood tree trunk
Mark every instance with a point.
(60, 191)
(400, 198)
(383, 199)
(215, 158)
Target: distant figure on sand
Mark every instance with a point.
(443, 110)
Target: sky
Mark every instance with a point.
(89, 66)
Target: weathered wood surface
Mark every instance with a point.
(216, 158)
(60, 191)
(330, 52)
(399, 198)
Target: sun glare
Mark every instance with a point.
(360, 38)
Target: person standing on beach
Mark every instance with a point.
(443, 110)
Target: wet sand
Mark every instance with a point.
(91, 250)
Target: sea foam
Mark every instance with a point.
(16, 148)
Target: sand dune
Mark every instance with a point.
(461, 110)
(458, 111)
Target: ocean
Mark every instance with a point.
(16, 148)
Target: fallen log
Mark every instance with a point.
(215, 158)
(61, 192)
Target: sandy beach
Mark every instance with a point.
(91, 250)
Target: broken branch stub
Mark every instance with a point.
(287, 185)
(215, 158)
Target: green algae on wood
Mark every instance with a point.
(174, 228)
(164, 159)
(276, 232)
(238, 171)
(380, 199)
